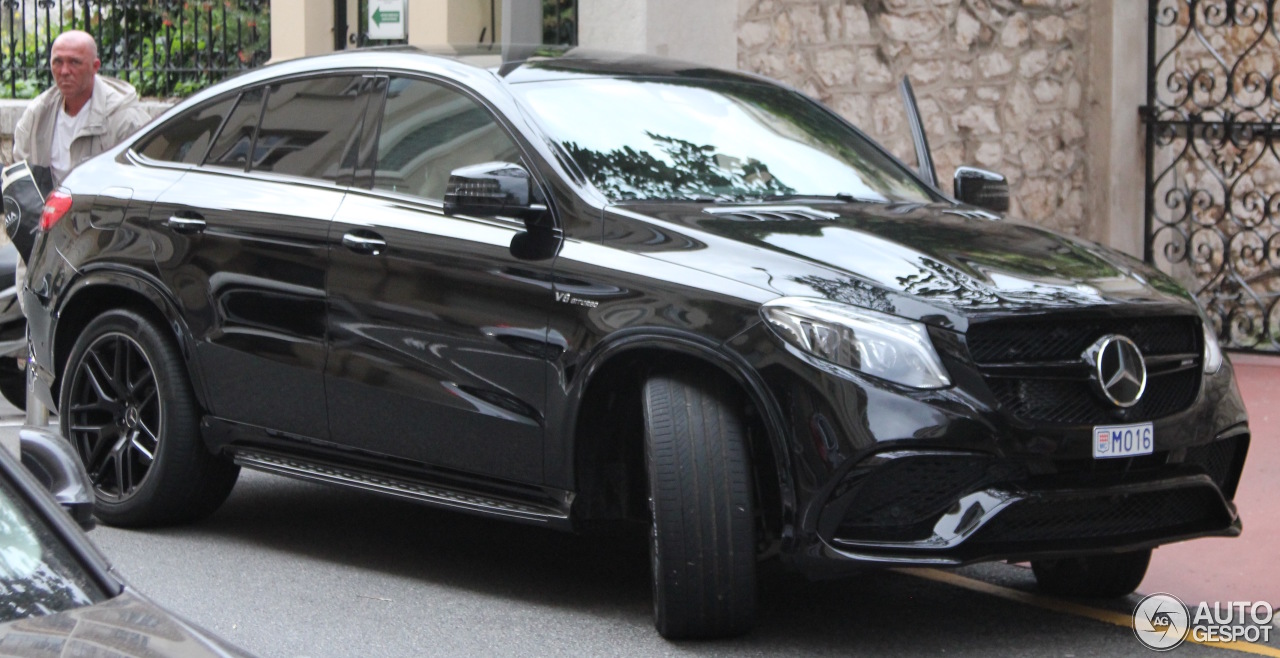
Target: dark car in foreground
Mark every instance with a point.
(58, 595)
(573, 287)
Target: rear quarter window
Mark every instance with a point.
(185, 138)
(231, 148)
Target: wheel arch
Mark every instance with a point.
(608, 430)
(101, 290)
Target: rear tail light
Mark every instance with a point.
(55, 206)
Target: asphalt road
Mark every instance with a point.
(288, 569)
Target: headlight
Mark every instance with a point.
(874, 343)
(1212, 351)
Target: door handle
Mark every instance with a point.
(364, 244)
(185, 224)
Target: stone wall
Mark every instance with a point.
(1001, 84)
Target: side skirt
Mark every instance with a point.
(415, 489)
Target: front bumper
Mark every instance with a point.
(889, 476)
(955, 508)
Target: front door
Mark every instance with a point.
(437, 332)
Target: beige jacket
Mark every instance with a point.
(114, 114)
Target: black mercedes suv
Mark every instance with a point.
(569, 287)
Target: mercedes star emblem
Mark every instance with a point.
(1119, 372)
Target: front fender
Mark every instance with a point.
(685, 347)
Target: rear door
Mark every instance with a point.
(438, 332)
(242, 242)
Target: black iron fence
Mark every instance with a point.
(162, 47)
(1213, 164)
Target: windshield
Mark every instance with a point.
(38, 575)
(711, 140)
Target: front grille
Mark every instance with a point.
(1115, 517)
(1020, 341)
(1073, 402)
(1062, 393)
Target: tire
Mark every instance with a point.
(702, 531)
(13, 383)
(1093, 576)
(125, 380)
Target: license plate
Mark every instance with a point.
(1122, 440)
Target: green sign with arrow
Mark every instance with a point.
(386, 19)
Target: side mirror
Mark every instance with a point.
(982, 188)
(490, 189)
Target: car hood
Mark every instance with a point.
(127, 625)
(939, 263)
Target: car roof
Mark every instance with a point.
(512, 64)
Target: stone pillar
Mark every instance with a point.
(445, 22)
(705, 32)
(1117, 136)
(523, 24)
(428, 22)
(309, 31)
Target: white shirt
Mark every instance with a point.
(65, 129)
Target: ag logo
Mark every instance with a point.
(1161, 622)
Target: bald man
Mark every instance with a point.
(82, 115)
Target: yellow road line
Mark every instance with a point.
(1057, 605)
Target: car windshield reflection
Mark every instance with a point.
(725, 140)
(38, 575)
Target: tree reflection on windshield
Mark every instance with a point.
(694, 172)
(38, 575)
(638, 138)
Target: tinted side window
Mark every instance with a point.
(185, 138)
(231, 149)
(308, 125)
(429, 130)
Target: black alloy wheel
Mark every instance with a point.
(127, 407)
(115, 415)
(702, 535)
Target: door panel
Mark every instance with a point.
(437, 332)
(438, 340)
(246, 259)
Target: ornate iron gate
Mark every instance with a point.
(1213, 167)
